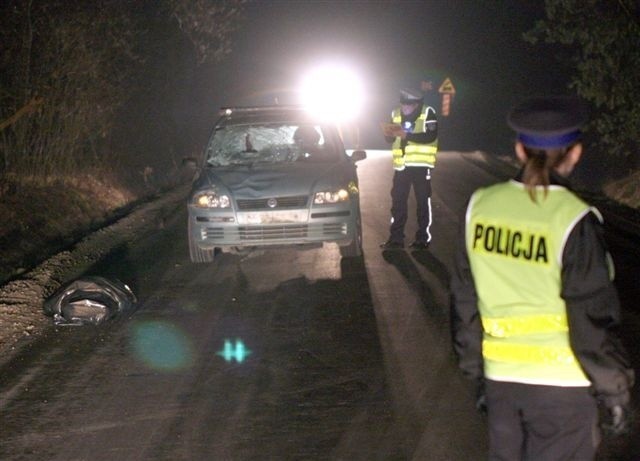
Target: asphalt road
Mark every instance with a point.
(272, 355)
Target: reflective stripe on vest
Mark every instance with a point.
(414, 154)
(513, 326)
(515, 249)
(527, 353)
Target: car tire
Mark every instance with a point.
(352, 268)
(354, 249)
(197, 254)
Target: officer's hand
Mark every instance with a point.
(481, 398)
(387, 129)
(397, 130)
(481, 405)
(616, 420)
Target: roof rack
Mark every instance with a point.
(245, 109)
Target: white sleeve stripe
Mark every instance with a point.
(467, 218)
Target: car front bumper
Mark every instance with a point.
(219, 229)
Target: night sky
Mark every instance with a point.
(477, 44)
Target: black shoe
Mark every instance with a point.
(392, 245)
(419, 245)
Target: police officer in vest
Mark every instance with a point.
(535, 313)
(414, 134)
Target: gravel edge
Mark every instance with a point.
(22, 318)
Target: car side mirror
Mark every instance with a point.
(358, 155)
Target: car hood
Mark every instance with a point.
(276, 180)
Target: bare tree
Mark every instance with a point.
(208, 24)
(78, 64)
(67, 69)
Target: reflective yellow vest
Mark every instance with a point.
(515, 250)
(414, 154)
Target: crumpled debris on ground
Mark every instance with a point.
(90, 300)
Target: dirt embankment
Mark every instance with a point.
(51, 233)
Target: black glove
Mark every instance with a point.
(616, 420)
(481, 398)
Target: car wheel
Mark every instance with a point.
(197, 254)
(354, 249)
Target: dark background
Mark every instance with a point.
(478, 45)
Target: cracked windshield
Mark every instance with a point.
(248, 145)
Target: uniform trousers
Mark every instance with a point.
(531, 422)
(420, 179)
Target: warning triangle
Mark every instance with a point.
(447, 87)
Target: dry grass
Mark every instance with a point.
(39, 216)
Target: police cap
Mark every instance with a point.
(548, 122)
(410, 96)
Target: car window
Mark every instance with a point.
(271, 143)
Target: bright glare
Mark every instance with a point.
(332, 92)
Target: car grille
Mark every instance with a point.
(277, 232)
(283, 202)
(273, 232)
(334, 230)
(212, 233)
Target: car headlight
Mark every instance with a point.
(211, 199)
(340, 195)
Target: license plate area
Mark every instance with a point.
(273, 217)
